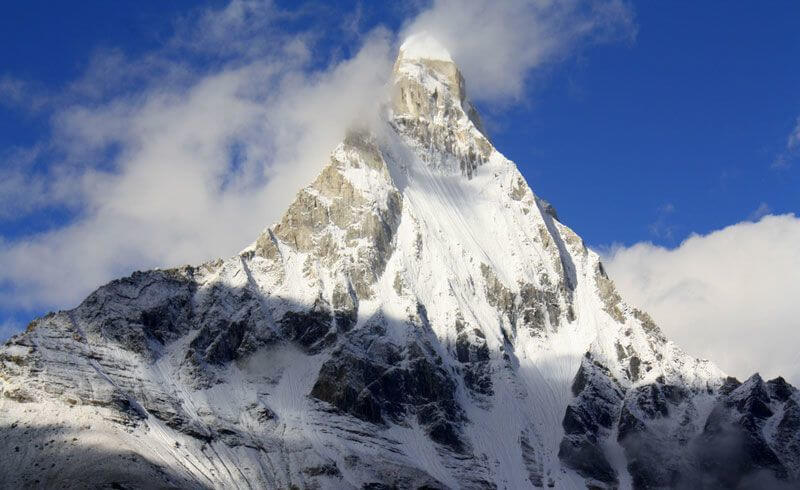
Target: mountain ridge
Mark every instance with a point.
(418, 318)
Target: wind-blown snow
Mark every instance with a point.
(423, 46)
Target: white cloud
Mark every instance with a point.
(497, 44)
(729, 296)
(200, 165)
(185, 153)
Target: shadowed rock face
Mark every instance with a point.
(374, 389)
(473, 354)
(59, 459)
(752, 430)
(418, 318)
(589, 420)
(740, 435)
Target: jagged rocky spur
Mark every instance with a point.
(418, 318)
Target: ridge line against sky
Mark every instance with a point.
(232, 112)
(111, 162)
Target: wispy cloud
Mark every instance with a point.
(762, 210)
(20, 94)
(791, 151)
(726, 296)
(185, 153)
(497, 44)
(12, 90)
(667, 208)
(662, 227)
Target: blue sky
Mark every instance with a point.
(676, 132)
(677, 121)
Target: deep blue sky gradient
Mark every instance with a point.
(670, 134)
(692, 114)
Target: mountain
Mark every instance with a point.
(418, 318)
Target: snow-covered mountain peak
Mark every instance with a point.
(417, 318)
(429, 105)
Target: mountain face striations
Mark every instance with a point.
(418, 318)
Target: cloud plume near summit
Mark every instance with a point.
(185, 153)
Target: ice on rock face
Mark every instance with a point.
(417, 318)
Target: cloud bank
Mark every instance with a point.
(185, 153)
(729, 296)
(196, 169)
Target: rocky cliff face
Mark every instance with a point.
(417, 319)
